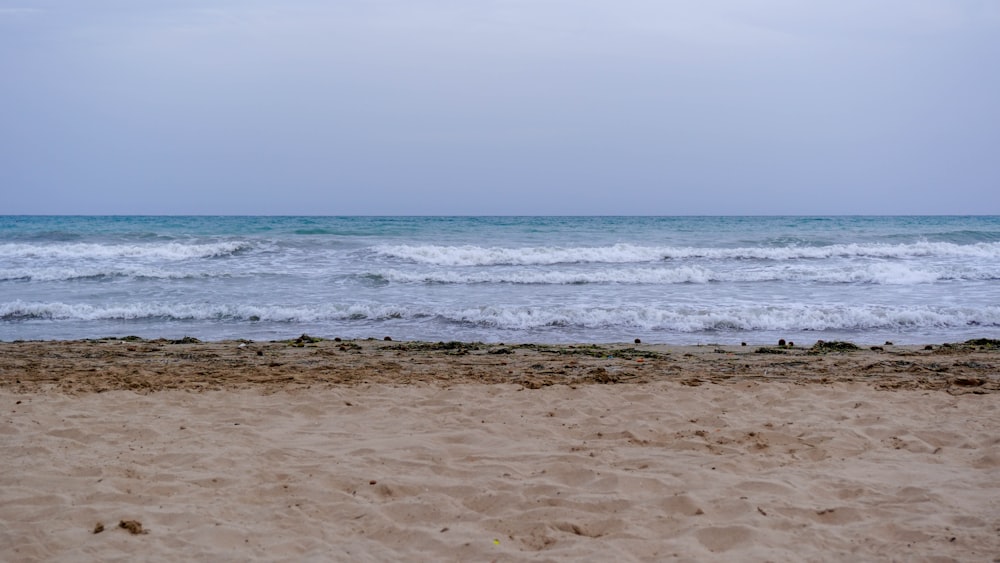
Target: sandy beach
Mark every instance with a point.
(130, 449)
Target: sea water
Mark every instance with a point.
(503, 279)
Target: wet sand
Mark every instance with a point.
(376, 450)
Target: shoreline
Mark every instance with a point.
(137, 364)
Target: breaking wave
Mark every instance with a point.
(878, 274)
(625, 253)
(168, 251)
(678, 319)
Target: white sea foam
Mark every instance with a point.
(879, 274)
(160, 251)
(678, 319)
(555, 277)
(485, 256)
(468, 255)
(803, 317)
(19, 311)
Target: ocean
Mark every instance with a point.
(675, 280)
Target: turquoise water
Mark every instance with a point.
(508, 279)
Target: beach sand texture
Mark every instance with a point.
(384, 451)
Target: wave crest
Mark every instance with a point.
(679, 319)
(469, 255)
(167, 251)
(875, 274)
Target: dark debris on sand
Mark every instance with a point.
(87, 366)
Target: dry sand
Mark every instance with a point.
(384, 451)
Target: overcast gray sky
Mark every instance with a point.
(500, 107)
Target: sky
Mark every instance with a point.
(500, 107)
